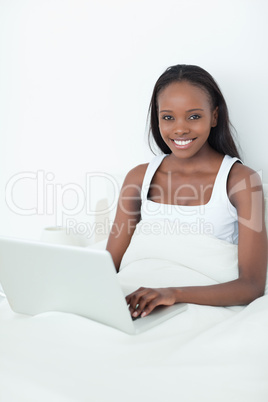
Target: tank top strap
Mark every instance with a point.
(220, 185)
(150, 171)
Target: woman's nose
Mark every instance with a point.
(181, 127)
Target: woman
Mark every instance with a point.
(198, 176)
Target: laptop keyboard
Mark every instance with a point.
(135, 318)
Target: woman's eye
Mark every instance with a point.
(195, 117)
(167, 118)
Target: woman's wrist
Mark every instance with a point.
(177, 294)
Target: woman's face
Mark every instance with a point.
(185, 118)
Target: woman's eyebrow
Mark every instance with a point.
(192, 110)
(188, 111)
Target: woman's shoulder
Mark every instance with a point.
(242, 181)
(242, 174)
(136, 175)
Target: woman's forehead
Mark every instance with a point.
(183, 94)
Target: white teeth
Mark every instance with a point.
(180, 142)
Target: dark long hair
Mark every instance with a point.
(220, 137)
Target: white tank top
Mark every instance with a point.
(217, 218)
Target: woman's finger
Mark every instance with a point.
(139, 301)
(144, 300)
(130, 296)
(150, 306)
(133, 299)
(142, 304)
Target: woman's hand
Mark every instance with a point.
(144, 300)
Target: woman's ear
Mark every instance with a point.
(215, 114)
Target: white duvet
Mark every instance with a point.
(203, 354)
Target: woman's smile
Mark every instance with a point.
(183, 144)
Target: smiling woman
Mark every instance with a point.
(220, 137)
(199, 177)
(181, 126)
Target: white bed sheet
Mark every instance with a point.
(62, 357)
(203, 354)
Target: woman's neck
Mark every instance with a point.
(205, 160)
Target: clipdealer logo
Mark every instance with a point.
(50, 198)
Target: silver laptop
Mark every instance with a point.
(39, 277)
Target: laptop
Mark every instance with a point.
(39, 277)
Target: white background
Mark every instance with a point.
(76, 77)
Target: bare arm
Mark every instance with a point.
(245, 192)
(127, 214)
